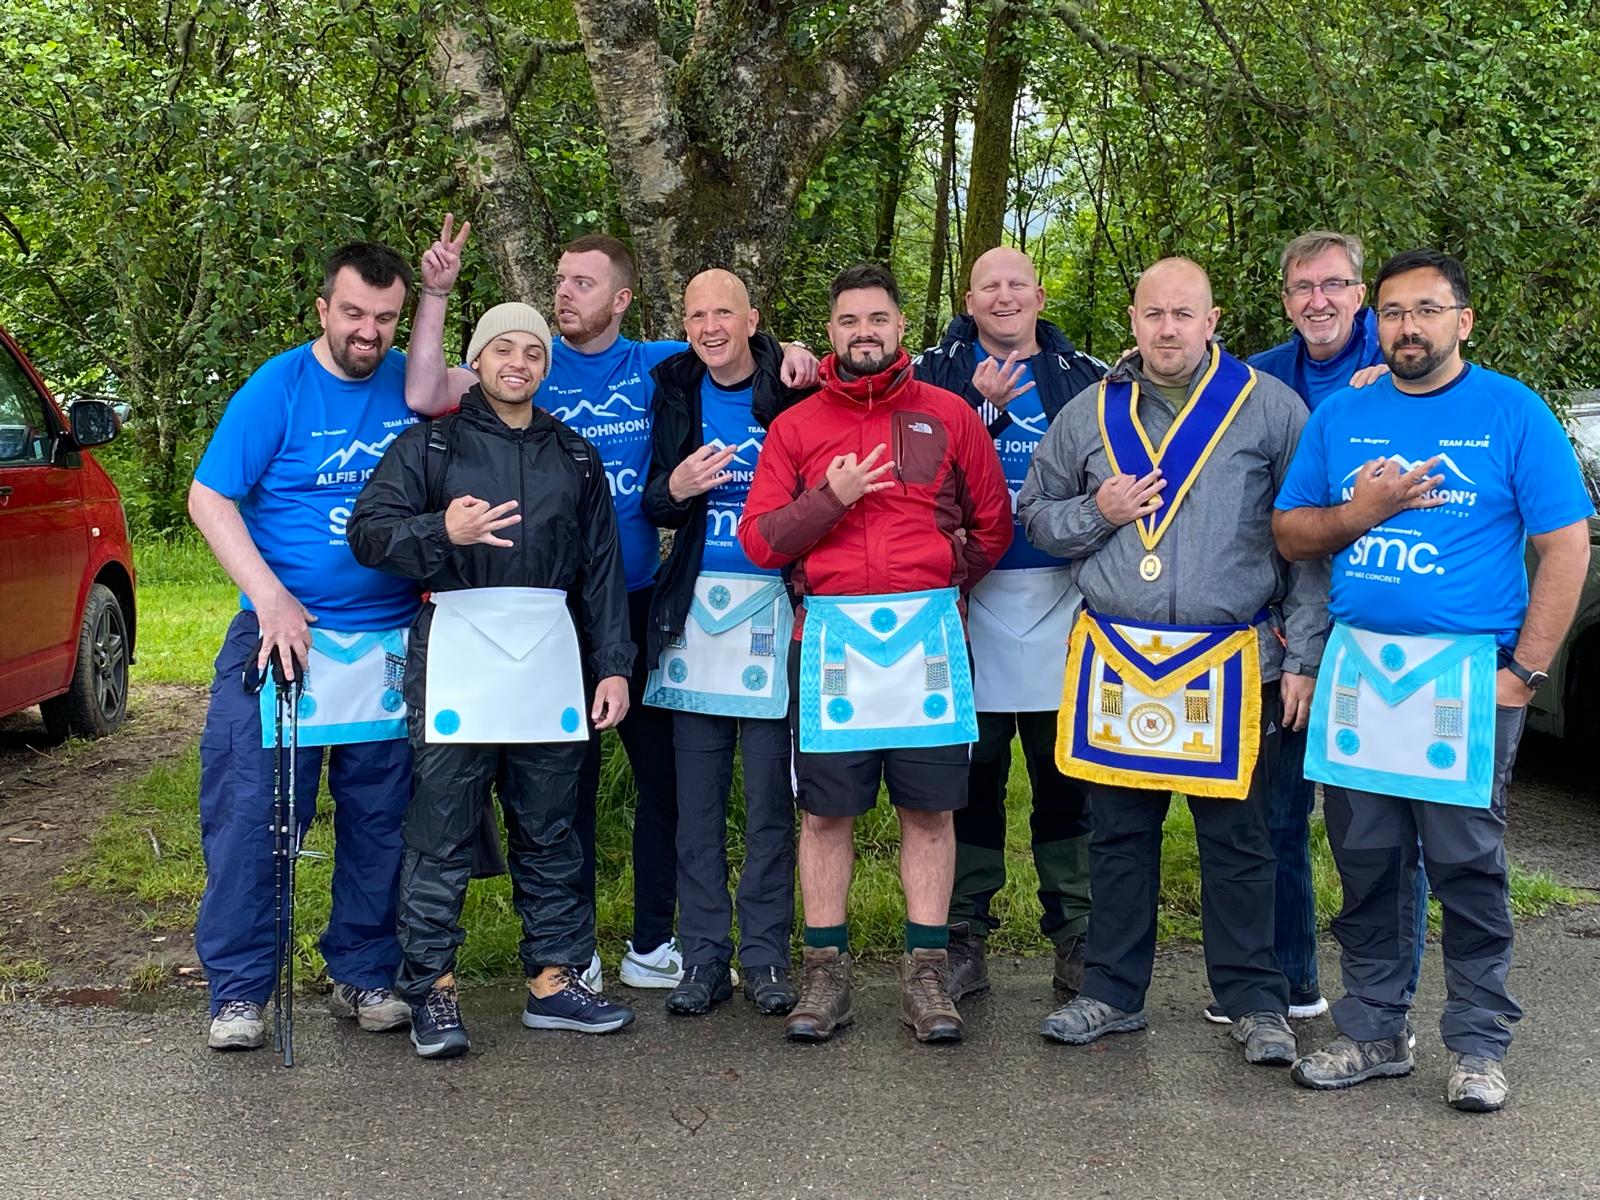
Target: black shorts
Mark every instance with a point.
(845, 784)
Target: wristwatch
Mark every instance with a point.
(1533, 679)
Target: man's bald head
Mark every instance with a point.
(1004, 301)
(1173, 318)
(719, 322)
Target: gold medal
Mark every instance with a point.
(1149, 568)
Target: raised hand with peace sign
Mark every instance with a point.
(441, 262)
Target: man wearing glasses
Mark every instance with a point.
(1425, 488)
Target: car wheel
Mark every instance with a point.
(97, 702)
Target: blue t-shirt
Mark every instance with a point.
(606, 397)
(1316, 381)
(1508, 471)
(1016, 446)
(725, 420)
(293, 448)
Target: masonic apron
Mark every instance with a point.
(723, 663)
(352, 689)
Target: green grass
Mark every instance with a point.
(149, 847)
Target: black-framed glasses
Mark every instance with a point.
(1328, 287)
(1393, 314)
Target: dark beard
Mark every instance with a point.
(1417, 368)
(353, 367)
(868, 365)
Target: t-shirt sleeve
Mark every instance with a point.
(1546, 476)
(249, 434)
(658, 352)
(1306, 484)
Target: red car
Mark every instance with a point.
(66, 564)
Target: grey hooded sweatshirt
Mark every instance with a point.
(1219, 565)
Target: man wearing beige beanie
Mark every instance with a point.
(502, 514)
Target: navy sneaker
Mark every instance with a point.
(436, 1028)
(576, 1008)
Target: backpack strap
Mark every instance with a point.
(577, 448)
(441, 445)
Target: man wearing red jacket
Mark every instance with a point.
(884, 498)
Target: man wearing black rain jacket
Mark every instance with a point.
(502, 513)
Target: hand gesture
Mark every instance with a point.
(700, 472)
(469, 520)
(1123, 499)
(1383, 489)
(286, 629)
(850, 480)
(998, 382)
(441, 262)
(799, 368)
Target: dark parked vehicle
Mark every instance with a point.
(67, 616)
(1569, 705)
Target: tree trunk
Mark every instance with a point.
(710, 153)
(941, 222)
(988, 176)
(509, 221)
(891, 183)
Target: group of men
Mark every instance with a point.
(1185, 573)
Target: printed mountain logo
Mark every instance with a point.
(340, 459)
(1445, 466)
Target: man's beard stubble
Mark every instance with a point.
(355, 367)
(1417, 368)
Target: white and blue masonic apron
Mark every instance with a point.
(1405, 716)
(352, 690)
(504, 667)
(1019, 622)
(884, 673)
(725, 662)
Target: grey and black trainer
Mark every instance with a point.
(1477, 1084)
(1067, 978)
(238, 1025)
(1345, 1062)
(1083, 1020)
(375, 1009)
(1267, 1039)
(968, 972)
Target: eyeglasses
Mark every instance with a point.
(1328, 287)
(1392, 315)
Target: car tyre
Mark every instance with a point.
(97, 702)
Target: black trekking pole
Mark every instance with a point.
(289, 696)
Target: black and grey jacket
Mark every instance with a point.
(567, 538)
(1060, 370)
(676, 433)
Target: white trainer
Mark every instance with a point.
(1304, 1012)
(661, 968)
(238, 1025)
(592, 978)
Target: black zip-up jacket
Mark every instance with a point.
(676, 434)
(1060, 369)
(567, 537)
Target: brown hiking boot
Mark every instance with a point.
(1068, 976)
(824, 1004)
(925, 1002)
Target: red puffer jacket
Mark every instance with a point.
(902, 539)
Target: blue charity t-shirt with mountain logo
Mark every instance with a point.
(293, 448)
(726, 420)
(1016, 447)
(1509, 471)
(607, 397)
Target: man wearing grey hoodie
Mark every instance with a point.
(1158, 484)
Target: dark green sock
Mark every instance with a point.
(820, 937)
(927, 937)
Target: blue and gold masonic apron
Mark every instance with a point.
(1146, 705)
(1409, 716)
(352, 689)
(725, 661)
(885, 673)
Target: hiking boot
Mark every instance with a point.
(661, 968)
(824, 1004)
(770, 990)
(575, 1008)
(1082, 1020)
(1068, 977)
(701, 987)
(1345, 1062)
(968, 972)
(436, 1028)
(238, 1025)
(375, 1009)
(1267, 1039)
(1477, 1084)
(925, 1002)
(1215, 1013)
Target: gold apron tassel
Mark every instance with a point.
(1197, 706)
(1111, 699)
